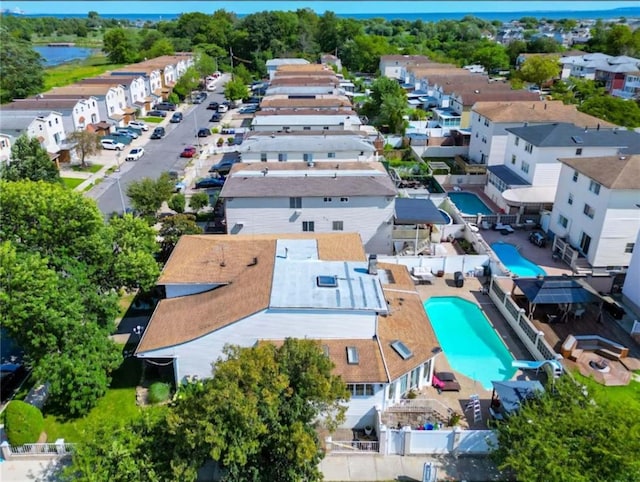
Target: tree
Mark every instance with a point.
(173, 227)
(382, 88)
(177, 203)
(21, 68)
(392, 112)
(204, 64)
(539, 68)
(566, 436)
(23, 422)
(147, 195)
(492, 57)
(241, 72)
(236, 89)
(29, 161)
(162, 46)
(613, 109)
(187, 82)
(87, 144)
(120, 46)
(261, 426)
(198, 201)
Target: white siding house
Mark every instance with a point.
(5, 147)
(596, 208)
(631, 287)
(393, 66)
(309, 121)
(111, 99)
(49, 130)
(312, 197)
(273, 64)
(76, 112)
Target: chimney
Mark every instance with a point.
(373, 264)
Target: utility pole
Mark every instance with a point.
(231, 56)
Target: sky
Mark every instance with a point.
(337, 6)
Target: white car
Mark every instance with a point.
(222, 108)
(139, 125)
(135, 154)
(111, 145)
(127, 132)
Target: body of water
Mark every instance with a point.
(61, 55)
(515, 262)
(468, 340)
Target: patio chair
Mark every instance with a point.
(485, 225)
(579, 313)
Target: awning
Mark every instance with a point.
(417, 211)
(530, 195)
(556, 290)
(512, 394)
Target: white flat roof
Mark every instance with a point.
(530, 195)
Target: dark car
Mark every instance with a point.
(209, 182)
(158, 133)
(165, 106)
(213, 106)
(215, 118)
(156, 113)
(189, 151)
(204, 133)
(176, 117)
(224, 166)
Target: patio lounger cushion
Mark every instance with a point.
(449, 381)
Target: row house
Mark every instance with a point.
(305, 85)
(532, 154)
(392, 66)
(490, 120)
(304, 120)
(335, 103)
(631, 86)
(111, 99)
(295, 197)
(613, 72)
(47, 127)
(153, 85)
(307, 146)
(273, 64)
(77, 113)
(596, 212)
(135, 91)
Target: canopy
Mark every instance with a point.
(417, 211)
(530, 195)
(556, 290)
(512, 394)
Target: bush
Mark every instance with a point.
(177, 203)
(220, 141)
(23, 422)
(159, 392)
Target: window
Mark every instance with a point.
(484, 140)
(629, 247)
(307, 157)
(308, 226)
(517, 141)
(589, 211)
(594, 187)
(282, 157)
(570, 200)
(344, 199)
(575, 176)
(331, 155)
(50, 125)
(325, 128)
(263, 157)
(338, 226)
(579, 151)
(585, 243)
(306, 128)
(562, 221)
(525, 167)
(295, 202)
(328, 199)
(528, 147)
(513, 159)
(360, 389)
(486, 122)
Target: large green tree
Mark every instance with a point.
(257, 415)
(147, 195)
(173, 227)
(21, 68)
(87, 144)
(539, 68)
(120, 45)
(236, 89)
(566, 436)
(29, 161)
(389, 89)
(613, 109)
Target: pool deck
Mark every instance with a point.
(472, 291)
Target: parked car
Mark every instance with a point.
(222, 108)
(203, 133)
(223, 167)
(249, 109)
(122, 131)
(111, 144)
(209, 182)
(189, 151)
(135, 154)
(176, 117)
(165, 106)
(213, 106)
(156, 113)
(158, 133)
(215, 118)
(139, 125)
(538, 239)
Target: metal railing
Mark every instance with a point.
(353, 446)
(433, 407)
(39, 449)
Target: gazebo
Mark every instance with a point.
(556, 290)
(415, 211)
(511, 394)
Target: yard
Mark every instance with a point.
(619, 397)
(72, 182)
(93, 168)
(66, 74)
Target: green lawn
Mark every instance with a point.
(72, 182)
(74, 71)
(90, 168)
(152, 119)
(621, 397)
(118, 404)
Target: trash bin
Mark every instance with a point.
(458, 277)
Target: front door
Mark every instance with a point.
(585, 242)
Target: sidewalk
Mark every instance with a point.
(369, 468)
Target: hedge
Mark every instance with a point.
(23, 423)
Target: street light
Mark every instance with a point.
(118, 153)
(124, 207)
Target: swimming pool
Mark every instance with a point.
(515, 262)
(469, 203)
(446, 217)
(468, 340)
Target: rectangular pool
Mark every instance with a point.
(469, 341)
(469, 203)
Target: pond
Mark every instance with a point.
(61, 55)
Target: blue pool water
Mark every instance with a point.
(515, 262)
(446, 217)
(468, 340)
(469, 203)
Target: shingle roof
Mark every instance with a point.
(562, 134)
(536, 111)
(283, 142)
(404, 58)
(303, 111)
(470, 97)
(613, 172)
(44, 104)
(333, 101)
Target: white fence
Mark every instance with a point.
(437, 442)
(470, 264)
(60, 448)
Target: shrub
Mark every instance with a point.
(220, 141)
(159, 392)
(177, 203)
(23, 422)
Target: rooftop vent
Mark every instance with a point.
(402, 350)
(577, 139)
(327, 281)
(352, 355)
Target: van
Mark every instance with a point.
(158, 133)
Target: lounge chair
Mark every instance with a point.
(485, 225)
(504, 228)
(446, 382)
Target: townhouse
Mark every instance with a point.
(76, 112)
(111, 100)
(392, 65)
(304, 120)
(619, 75)
(366, 316)
(335, 103)
(46, 127)
(135, 92)
(274, 64)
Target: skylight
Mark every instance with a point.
(327, 281)
(402, 349)
(577, 139)
(352, 355)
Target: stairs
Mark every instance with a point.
(474, 404)
(423, 246)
